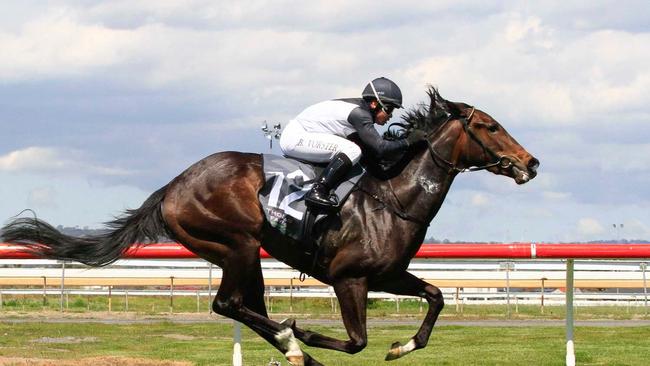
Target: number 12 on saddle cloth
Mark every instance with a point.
(286, 183)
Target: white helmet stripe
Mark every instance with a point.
(377, 96)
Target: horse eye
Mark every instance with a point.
(493, 128)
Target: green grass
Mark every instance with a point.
(312, 308)
(211, 344)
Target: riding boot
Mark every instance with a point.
(332, 175)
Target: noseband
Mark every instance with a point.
(500, 160)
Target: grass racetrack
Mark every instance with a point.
(210, 343)
(35, 333)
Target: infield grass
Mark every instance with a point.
(312, 307)
(210, 343)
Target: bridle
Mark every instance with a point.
(503, 161)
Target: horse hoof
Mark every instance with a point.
(296, 360)
(395, 352)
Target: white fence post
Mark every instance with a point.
(198, 303)
(210, 289)
(508, 266)
(645, 288)
(236, 351)
(62, 285)
(570, 351)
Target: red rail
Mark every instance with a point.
(462, 250)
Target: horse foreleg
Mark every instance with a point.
(409, 285)
(352, 294)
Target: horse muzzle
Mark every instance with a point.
(524, 173)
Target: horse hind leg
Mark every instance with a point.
(241, 293)
(254, 300)
(254, 295)
(241, 297)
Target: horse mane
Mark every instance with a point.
(426, 116)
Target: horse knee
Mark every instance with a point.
(356, 345)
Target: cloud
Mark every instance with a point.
(47, 160)
(56, 45)
(132, 93)
(528, 32)
(635, 229)
(67, 200)
(550, 75)
(479, 200)
(530, 70)
(590, 227)
(556, 195)
(45, 197)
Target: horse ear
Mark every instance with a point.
(437, 101)
(438, 107)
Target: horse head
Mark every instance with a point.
(480, 141)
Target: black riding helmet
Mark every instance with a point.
(384, 90)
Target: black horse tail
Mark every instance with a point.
(42, 239)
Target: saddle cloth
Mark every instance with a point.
(286, 183)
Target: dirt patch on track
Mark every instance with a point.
(64, 340)
(179, 337)
(92, 361)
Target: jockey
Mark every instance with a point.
(321, 133)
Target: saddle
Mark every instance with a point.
(287, 181)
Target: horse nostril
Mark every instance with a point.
(533, 164)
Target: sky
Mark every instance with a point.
(101, 103)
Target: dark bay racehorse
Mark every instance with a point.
(212, 208)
